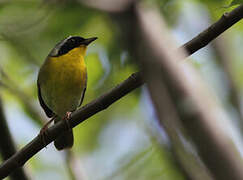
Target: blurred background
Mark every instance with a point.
(125, 141)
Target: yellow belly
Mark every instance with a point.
(62, 82)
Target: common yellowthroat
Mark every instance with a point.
(62, 82)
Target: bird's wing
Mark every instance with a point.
(83, 93)
(47, 110)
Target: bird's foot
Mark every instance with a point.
(43, 132)
(66, 119)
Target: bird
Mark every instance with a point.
(62, 82)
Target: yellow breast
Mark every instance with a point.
(62, 80)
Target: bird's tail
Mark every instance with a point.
(65, 140)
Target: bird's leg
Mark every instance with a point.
(43, 132)
(66, 119)
(45, 127)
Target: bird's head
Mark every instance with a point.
(70, 43)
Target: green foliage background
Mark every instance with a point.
(29, 29)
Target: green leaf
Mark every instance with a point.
(235, 2)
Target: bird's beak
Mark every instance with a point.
(89, 40)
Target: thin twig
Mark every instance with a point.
(7, 83)
(74, 166)
(205, 37)
(220, 47)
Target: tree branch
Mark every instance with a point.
(134, 81)
(101, 103)
(7, 146)
(193, 104)
(220, 47)
(205, 37)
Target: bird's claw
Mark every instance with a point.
(66, 119)
(43, 133)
